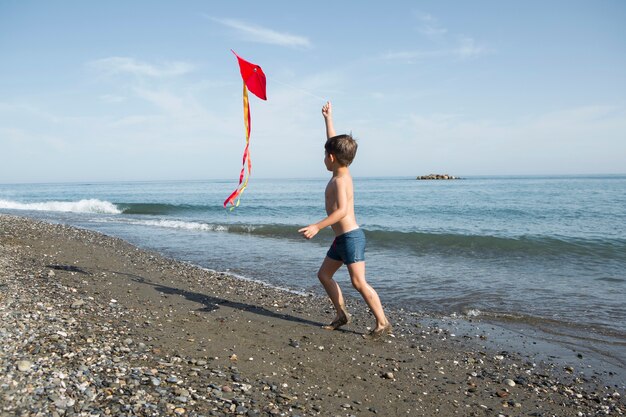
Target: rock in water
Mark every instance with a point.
(437, 177)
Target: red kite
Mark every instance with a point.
(253, 77)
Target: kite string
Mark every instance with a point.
(300, 90)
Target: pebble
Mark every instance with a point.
(24, 366)
(78, 303)
(520, 381)
(509, 382)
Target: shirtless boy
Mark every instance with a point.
(349, 245)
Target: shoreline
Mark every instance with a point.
(130, 330)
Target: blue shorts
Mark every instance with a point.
(348, 248)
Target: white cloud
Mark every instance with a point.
(448, 45)
(164, 100)
(576, 140)
(414, 55)
(133, 120)
(465, 48)
(574, 125)
(468, 48)
(430, 26)
(21, 109)
(112, 98)
(12, 134)
(260, 34)
(120, 65)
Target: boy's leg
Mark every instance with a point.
(325, 275)
(357, 275)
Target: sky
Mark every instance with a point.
(149, 90)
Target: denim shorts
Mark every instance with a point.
(348, 248)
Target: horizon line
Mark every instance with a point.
(311, 178)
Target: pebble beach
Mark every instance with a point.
(93, 326)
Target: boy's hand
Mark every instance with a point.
(327, 110)
(309, 231)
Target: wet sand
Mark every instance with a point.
(92, 325)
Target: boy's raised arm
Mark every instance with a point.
(327, 112)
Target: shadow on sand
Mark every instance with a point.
(211, 303)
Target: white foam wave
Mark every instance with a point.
(473, 312)
(178, 224)
(83, 206)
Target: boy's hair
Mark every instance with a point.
(343, 147)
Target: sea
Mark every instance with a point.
(548, 251)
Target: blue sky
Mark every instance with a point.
(147, 90)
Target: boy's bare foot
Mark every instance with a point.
(378, 332)
(341, 320)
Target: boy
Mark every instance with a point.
(349, 245)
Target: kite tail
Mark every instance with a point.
(235, 197)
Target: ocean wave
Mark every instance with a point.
(200, 226)
(423, 242)
(179, 224)
(165, 209)
(480, 245)
(81, 206)
(473, 312)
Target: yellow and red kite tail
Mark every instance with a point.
(234, 198)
